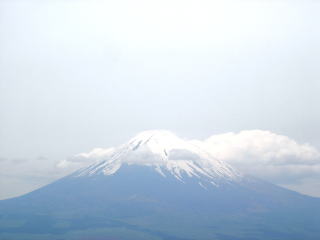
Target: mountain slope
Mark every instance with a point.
(158, 186)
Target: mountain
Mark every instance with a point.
(158, 186)
(168, 155)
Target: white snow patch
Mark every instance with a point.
(204, 187)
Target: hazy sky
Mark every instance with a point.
(75, 75)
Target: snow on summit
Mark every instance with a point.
(166, 153)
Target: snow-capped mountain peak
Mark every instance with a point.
(165, 153)
(163, 143)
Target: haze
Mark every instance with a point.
(76, 75)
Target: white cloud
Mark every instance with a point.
(267, 155)
(84, 159)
